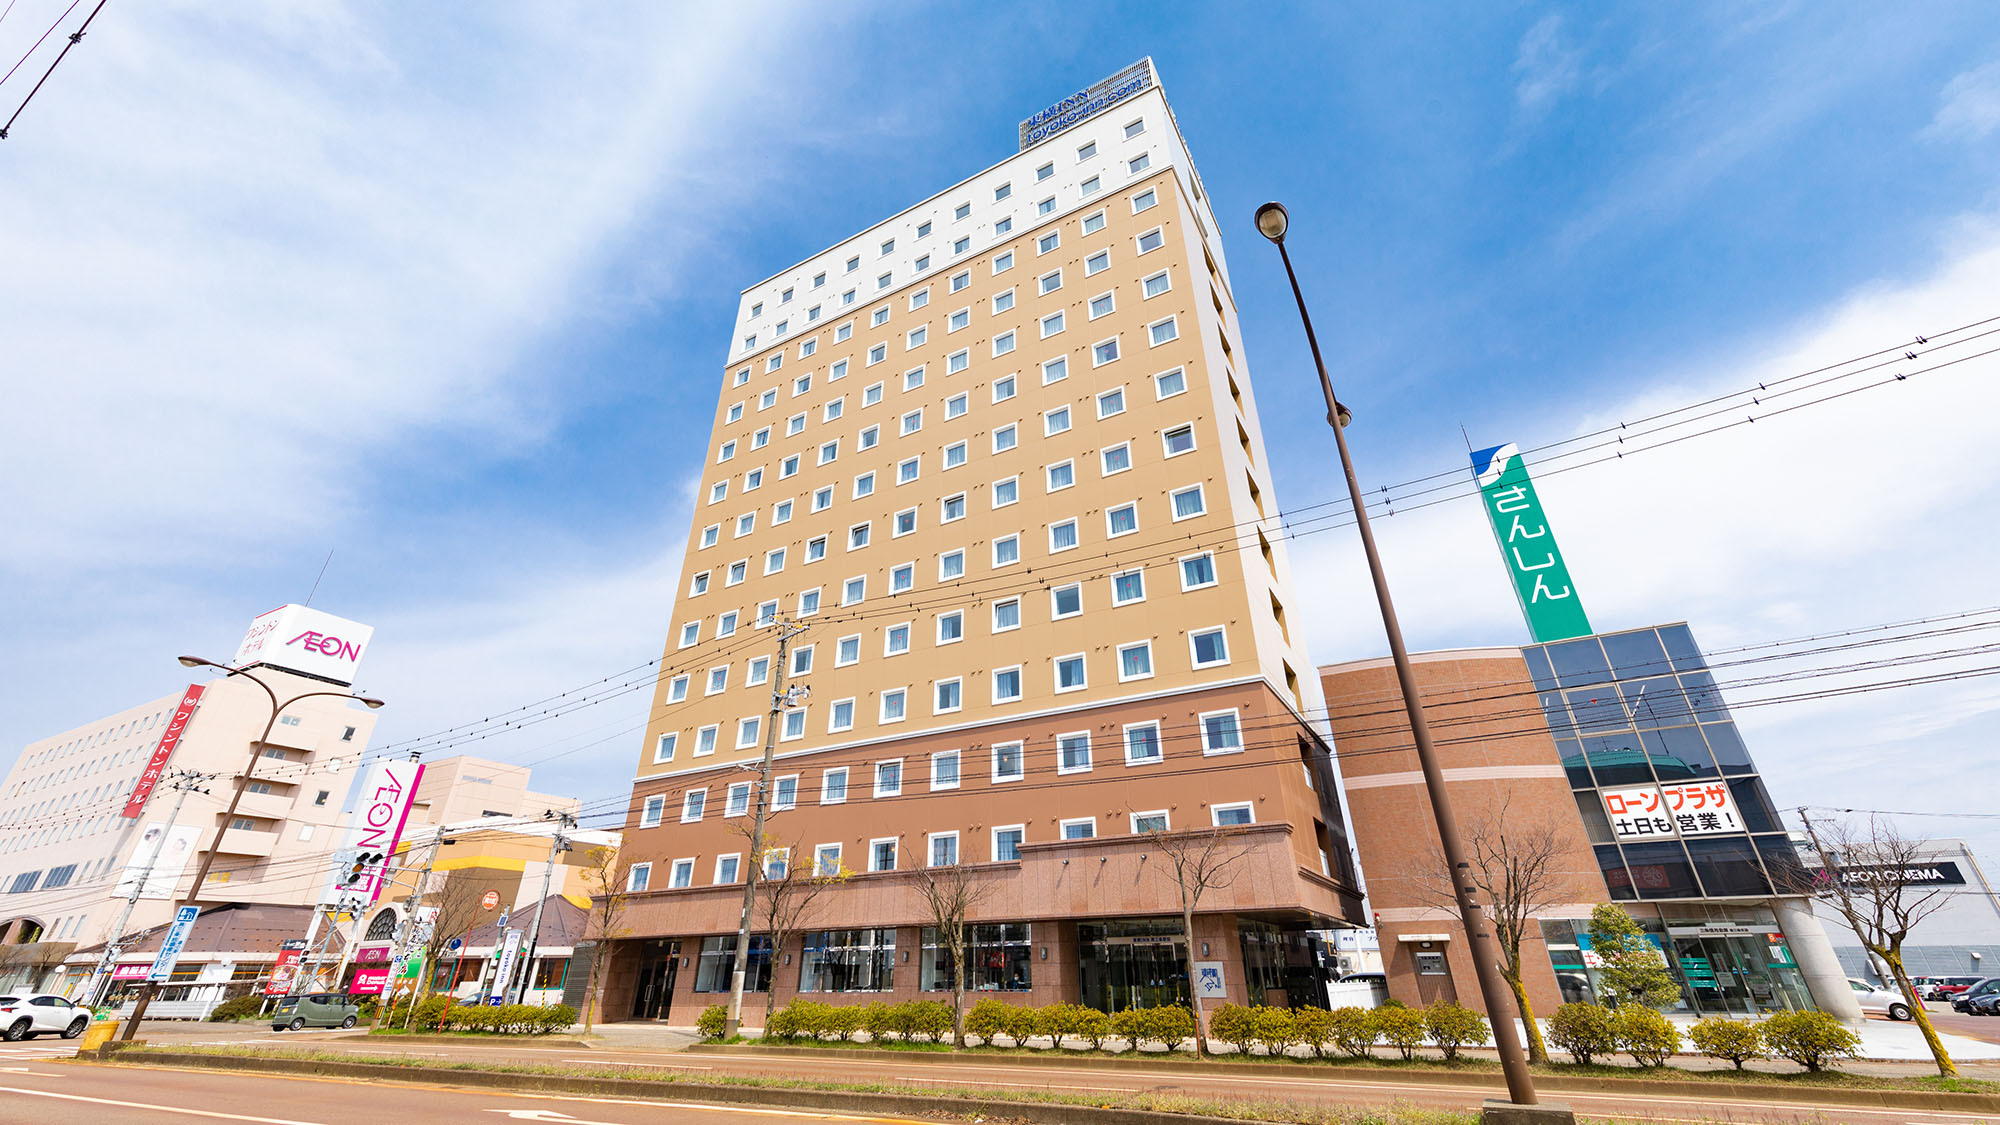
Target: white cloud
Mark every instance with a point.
(1545, 67)
(1969, 106)
(1874, 508)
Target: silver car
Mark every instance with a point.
(1881, 1001)
(29, 1014)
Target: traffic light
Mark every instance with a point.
(359, 871)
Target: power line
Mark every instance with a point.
(38, 42)
(75, 37)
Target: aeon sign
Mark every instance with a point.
(307, 641)
(380, 815)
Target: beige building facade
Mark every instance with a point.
(1000, 458)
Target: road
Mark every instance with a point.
(267, 1098)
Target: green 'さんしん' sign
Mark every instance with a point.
(1541, 580)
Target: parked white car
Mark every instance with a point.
(1881, 1001)
(38, 1013)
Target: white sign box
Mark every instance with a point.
(306, 641)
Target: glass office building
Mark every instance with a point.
(1677, 814)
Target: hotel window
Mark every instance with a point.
(1062, 536)
(1052, 324)
(826, 861)
(1135, 661)
(1151, 240)
(857, 536)
(957, 405)
(829, 451)
(1139, 163)
(655, 810)
(1103, 353)
(839, 369)
(954, 455)
(847, 651)
(951, 627)
(1006, 550)
(840, 716)
(1163, 331)
(894, 705)
(1005, 438)
(904, 523)
(704, 740)
(802, 660)
(952, 508)
(1145, 822)
(1111, 403)
(638, 877)
(809, 602)
(819, 281)
(949, 697)
(1003, 301)
(896, 639)
(1116, 458)
(1006, 615)
(1178, 440)
(888, 248)
(902, 578)
(1004, 225)
(944, 849)
(958, 320)
(916, 338)
(1121, 520)
(808, 347)
(738, 571)
(718, 492)
(1104, 304)
(736, 412)
(1093, 222)
(1128, 586)
(1045, 171)
(924, 229)
(1134, 128)
(774, 561)
(1142, 743)
(725, 868)
(1066, 601)
(1144, 201)
(739, 800)
(876, 355)
(847, 298)
(1007, 685)
(1055, 422)
(726, 453)
(1007, 843)
(1087, 151)
(923, 263)
(753, 480)
(1045, 206)
(789, 467)
(1209, 647)
(693, 804)
(873, 434)
(1167, 384)
(961, 280)
(795, 725)
(1048, 242)
(1157, 284)
(745, 524)
(1048, 282)
(781, 512)
(725, 625)
(743, 376)
(882, 855)
(1004, 262)
(957, 361)
(1061, 475)
(853, 591)
(1082, 828)
(677, 689)
(963, 211)
(906, 471)
(699, 586)
(889, 778)
(1091, 186)
(864, 485)
(1006, 492)
(803, 383)
(833, 786)
(961, 245)
(762, 437)
(1188, 503)
(1226, 816)
(777, 359)
(757, 309)
(1055, 370)
(816, 546)
(1003, 343)
(1219, 733)
(663, 750)
(710, 534)
(1072, 753)
(914, 420)
(757, 671)
(1003, 388)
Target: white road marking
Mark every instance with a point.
(669, 1065)
(716, 1108)
(159, 1108)
(1018, 1085)
(30, 1073)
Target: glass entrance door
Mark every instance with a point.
(654, 997)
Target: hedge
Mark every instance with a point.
(236, 1008)
(1584, 1030)
(1810, 1039)
(441, 1013)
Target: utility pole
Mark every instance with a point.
(782, 696)
(558, 844)
(186, 781)
(407, 932)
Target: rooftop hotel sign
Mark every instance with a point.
(307, 641)
(1541, 579)
(1087, 103)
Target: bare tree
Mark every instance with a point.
(1875, 878)
(951, 893)
(1198, 862)
(606, 876)
(458, 910)
(789, 896)
(1517, 866)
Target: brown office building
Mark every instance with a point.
(1617, 750)
(1000, 456)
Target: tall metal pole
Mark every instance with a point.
(408, 930)
(1493, 988)
(186, 781)
(557, 845)
(753, 865)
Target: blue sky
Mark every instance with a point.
(448, 292)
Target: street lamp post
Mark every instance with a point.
(1272, 222)
(229, 814)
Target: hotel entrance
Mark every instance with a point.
(1132, 964)
(659, 965)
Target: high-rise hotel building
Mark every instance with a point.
(1000, 455)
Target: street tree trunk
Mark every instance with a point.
(1538, 1051)
(1194, 986)
(1894, 957)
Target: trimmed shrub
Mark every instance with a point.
(431, 1012)
(1401, 1028)
(1172, 1025)
(1313, 1027)
(236, 1008)
(554, 1017)
(711, 1021)
(880, 1021)
(987, 1018)
(1646, 1035)
(838, 1020)
(928, 1020)
(1276, 1028)
(1719, 1037)
(1024, 1024)
(783, 1024)
(1092, 1026)
(1810, 1039)
(1235, 1025)
(1130, 1025)
(1584, 1030)
(1354, 1030)
(1452, 1026)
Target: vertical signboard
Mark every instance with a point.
(160, 857)
(286, 971)
(379, 816)
(1541, 579)
(157, 764)
(503, 973)
(170, 949)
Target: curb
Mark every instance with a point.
(916, 1105)
(557, 1040)
(1490, 1080)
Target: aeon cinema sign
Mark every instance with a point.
(306, 641)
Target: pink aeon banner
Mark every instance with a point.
(379, 818)
(157, 764)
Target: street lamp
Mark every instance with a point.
(1272, 222)
(242, 784)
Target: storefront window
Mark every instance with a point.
(551, 974)
(1000, 955)
(848, 961)
(1661, 871)
(716, 968)
(1132, 964)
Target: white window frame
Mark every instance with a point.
(718, 880)
(1166, 819)
(825, 789)
(894, 853)
(1215, 812)
(882, 710)
(1150, 672)
(694, 805)
(875, 777)
(1020, 761)
(1020, 683)
(1103, 469)
(1173, 507)
(833, 724)
(930, 848)
(652, 811)
(1111, 532)
(936, 703)
(1198, 664)
(1063, 826)
(1117, 346)
(1201, 725)
(995, 626)
(957, 759)
(1152, 331)
(994, 841)
(1089, 753)
(1055, 669)
(1159, 744)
